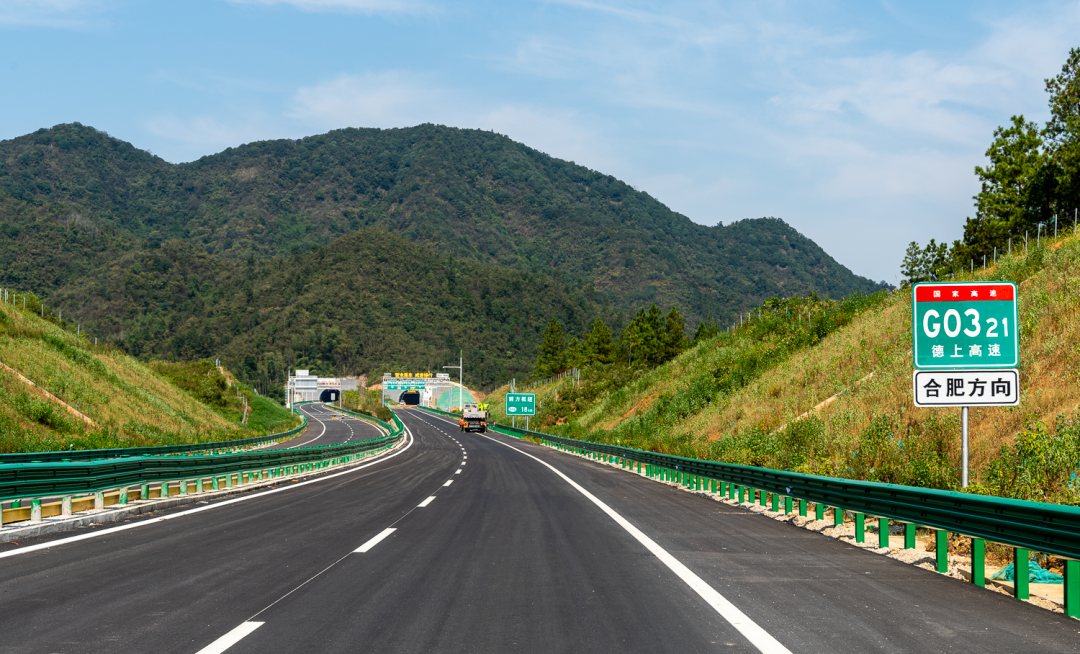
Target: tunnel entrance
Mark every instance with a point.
(410, 398)
(329, 395)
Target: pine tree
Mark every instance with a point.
(674, 334)
(552, 350)
(599, 344)
(706, 329)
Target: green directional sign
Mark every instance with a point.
(963, 326)
(521, 404)
(404, 385)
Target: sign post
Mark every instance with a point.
(521, 404)
(966, 348)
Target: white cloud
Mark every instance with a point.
(63, 14)
(389, 99)
(190, 138)
(398, 99)
(349, 6)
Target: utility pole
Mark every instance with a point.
(461, 376)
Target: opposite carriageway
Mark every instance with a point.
(509, 556)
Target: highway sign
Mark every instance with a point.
(970, 325)
(521, 404)
(404, 385)
(966, 387)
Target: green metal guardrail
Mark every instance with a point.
(1038, 526)
(29, 480)
(158, 450)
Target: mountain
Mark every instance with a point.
(467, 193)
(202, 259)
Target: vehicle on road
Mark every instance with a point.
(473, 418)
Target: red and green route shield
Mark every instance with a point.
(970, 325)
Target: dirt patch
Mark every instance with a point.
(642, 405)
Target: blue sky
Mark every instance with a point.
(858, 123)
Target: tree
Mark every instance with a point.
(1018, 189)
(575, 354)
(551, 357)
(925, 265)
(1062, 131)
(674, 335)
(599, 344)
(706, 329)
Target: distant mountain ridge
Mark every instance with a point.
(467, 193)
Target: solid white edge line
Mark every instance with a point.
(323, 431)
(376, 540)
(757, 636)
(231, 638)
(449, 482)
(425, 502)
(143, 523)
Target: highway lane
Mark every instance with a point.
(175, 586)
(328, 427)
(508, 557)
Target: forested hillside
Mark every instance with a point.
(368, 301)
(467, 193)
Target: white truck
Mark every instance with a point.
(474, 418)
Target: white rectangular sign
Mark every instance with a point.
(967, 387)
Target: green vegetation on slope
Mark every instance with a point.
(76, 192)
(128, 403)
(365, 303)
(750, 397)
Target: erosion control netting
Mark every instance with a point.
(1036, 574)
(454, 398)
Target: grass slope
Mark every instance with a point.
(129, 403)
(737, 398)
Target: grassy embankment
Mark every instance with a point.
(739, 397)
(129, 403)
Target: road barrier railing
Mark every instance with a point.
(1025, 526)
(157, 450)
(109, 481)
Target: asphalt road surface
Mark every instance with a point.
(483, 543)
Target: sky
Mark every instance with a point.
(858, 123)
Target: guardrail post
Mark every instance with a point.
(860, 528)
(99, 500)
(1072, 588)
(802, 508)
(787, 506)
(883, 532)
(941, 547)
(183, 486)
(978, 562)
(775, 503)
(819, 511)
(65, 506)
(123, 497)
(761, 499)
(1020, 573)
(214, 484)
(35, 510)
(837, 516)
(144, 493)
(199, 485)
(712, 486)
(164, 489)
(909, 536)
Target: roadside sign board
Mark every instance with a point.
(965, 326)
(404, 385)
(944, 388)
(521, 404)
